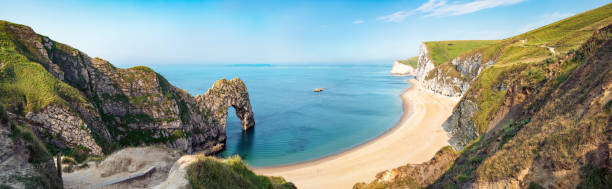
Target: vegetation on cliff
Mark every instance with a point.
(26, 85)
(442, 52)
(36, 169)
(210, 172)
(60, 99)
(412, 61)
(543, 114)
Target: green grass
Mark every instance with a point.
(595, 177)
(489, 98)
(210, 172)
(3, 116)
(38, 151)
(412, 61)
(26, 85)
(441, 52)
(564, 35)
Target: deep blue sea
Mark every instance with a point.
(293, 123)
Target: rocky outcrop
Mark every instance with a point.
(425, 65)
(460, 126)
(59, 122)
(112, 108)
(23, 161)
(223, 94)
(449, 79)
(414, 175)
(402, 69)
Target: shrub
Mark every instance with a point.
(209, 172)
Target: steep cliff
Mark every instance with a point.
(535, 118)
(77, 103)
(456, 65)
(404, 67)
(24, 160)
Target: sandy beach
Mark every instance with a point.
(415, 139)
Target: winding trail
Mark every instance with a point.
(415, 139)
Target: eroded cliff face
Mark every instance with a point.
(454, 79)
(551, 128)
(24, 163)
(223, 94)
(460, 126)
(114, 108)
(449, 79)
(402, 69)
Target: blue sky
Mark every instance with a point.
(278, 32)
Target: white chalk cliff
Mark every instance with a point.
(402, 69)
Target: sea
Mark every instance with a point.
(293, 124)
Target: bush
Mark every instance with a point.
(209, 172)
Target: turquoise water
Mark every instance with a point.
(293, 123)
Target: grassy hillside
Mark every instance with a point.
(26, 85)
(441, 52)
(210, 172)
(543, 117)
(515, 56)
(412, 61)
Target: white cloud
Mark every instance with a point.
(441, 8)
(431, 5)
(358, 22)
(398, 16)
(545, 20)
(455, 9)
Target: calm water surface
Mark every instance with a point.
(293, 123)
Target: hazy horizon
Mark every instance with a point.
(277, 32)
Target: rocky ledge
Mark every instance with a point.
(90, 104)
(449, 79)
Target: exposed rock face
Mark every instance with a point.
(424, 65)
(22, 164)
(551, 132)
(402, 69)
(452, 79)
(223, 94)
(62, 123)
(417, 175)
(124, 107)
(460, 126)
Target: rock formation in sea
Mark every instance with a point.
(73, 102)
(224, 94)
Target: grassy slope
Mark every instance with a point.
(557, 134)
(210, 172)
(26, 85)
(441, 52)
(412, 61)
(514, 56)
(554, 137)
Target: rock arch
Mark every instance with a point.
(223, 94)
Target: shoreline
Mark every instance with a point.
(406, 112)
(364, 160)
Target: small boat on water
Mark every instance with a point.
(318, 89)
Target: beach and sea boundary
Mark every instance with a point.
(415, 139)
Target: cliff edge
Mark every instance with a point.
(85, 106)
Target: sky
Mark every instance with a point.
(278, 32)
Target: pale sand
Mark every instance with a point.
(415, 139)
